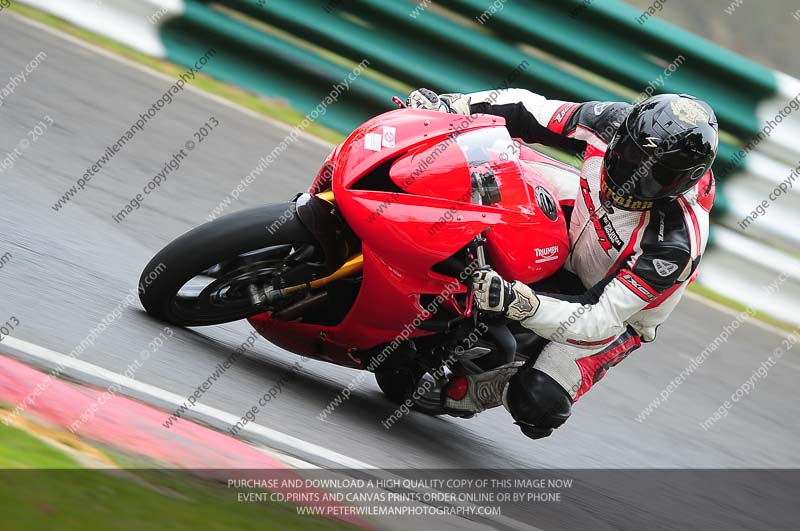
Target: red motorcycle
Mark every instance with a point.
(371, 268)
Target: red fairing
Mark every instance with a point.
(394, 133)
(436, 170)
(403, 183)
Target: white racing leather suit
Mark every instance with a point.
(635, 265)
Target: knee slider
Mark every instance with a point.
(534, 399)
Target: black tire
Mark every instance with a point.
(206, 246)
(399, 383)
(396, 384)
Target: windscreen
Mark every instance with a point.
(492, 156)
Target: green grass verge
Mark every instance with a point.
(20, 450)
(37, 491)
(272, 108)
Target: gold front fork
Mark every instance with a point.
(327, 195)
(352, 266)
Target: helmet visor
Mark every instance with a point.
(636, 174)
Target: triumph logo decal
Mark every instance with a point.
(623, 202)
(547, 254)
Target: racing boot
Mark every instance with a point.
(466, 395)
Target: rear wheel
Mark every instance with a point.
(216, 273)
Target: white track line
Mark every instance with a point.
(54, 358)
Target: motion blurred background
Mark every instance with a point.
(730, 53)
(761, 31)
(298, 61)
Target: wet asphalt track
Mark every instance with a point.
(70, 268)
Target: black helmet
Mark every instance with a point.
(663, 149)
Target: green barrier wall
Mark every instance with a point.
(443, 47)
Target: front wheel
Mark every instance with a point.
(213, 273)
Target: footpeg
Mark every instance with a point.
(467, 395)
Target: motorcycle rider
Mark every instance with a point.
(638, 229)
